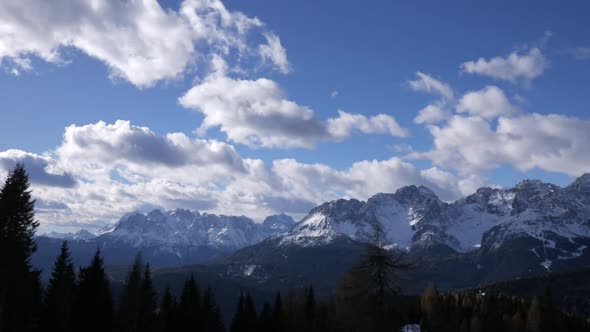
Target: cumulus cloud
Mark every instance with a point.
(427, 83)
(258, 113)
(275, 52)
(343, 125)
(111, 143)
(139, 41)
(488, 103)
(42, 169)
(515, 66)
(553, 142)
(120, 167)
(431, 114)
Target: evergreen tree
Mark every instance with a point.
(59, 295)
(310, 308)
(128, 318)
(190, 306)
(250, 317)
(148, 303)
(167, 312)
(20, 294)
(94, 305)
(212, 320)
(265, 318)
(279, 321)
(245, 319)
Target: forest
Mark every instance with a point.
(367, 297)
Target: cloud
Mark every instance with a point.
(554, 143)
(275, 52)
(110, 143)
(42, 169)
(121, 167)
(489, 103)
(514, 67)
(581, 53)
(258, 113)
(427, 83)
(343, 125)
(334, 94)
(431, 114)
(139, 41)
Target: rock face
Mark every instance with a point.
(491, 235)
(171, 238)
(414, 217)
(182, 228)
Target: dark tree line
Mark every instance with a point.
(366, 299)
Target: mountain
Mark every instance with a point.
(491, 235)
(80, 235)
(171, 238)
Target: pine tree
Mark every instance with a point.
(59, 295)
(128, 318)
(279, 321)
(310, 308)
(94, 305)
(190, 306)
(167, 312)
(250, 317)
(265, 318)
(20, 295)
(148, 303)
(237, 323)
(212, 320)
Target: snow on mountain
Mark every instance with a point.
(415, 217)
(184, 228)
(82, 235)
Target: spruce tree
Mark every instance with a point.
(128, 318)
(148, 304)
(190, 306)
(167, 313)
(279, 320)
(310, 308)
(20, 294)
(238, 321)
(59, 295)
(212, 320)
(94, 305)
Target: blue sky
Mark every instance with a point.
(265, 80)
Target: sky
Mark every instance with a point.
(262, 107)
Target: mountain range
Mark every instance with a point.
(494, 234)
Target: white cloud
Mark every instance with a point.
(334, 94)
(431, 114)
(139, 41)
(488, 103)
(112, 169)
(512, 68)
(554, 143)
(275, 52)
(427, 83)
(42, 169)
(253, 112)
(257, 113)
(343, 125)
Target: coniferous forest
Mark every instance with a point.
(366, 299)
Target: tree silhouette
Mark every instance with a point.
(128, 318)
(59, 295)
(94, 306)
(20, 290)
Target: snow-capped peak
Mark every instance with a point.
(414, 216)
(190, 228)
